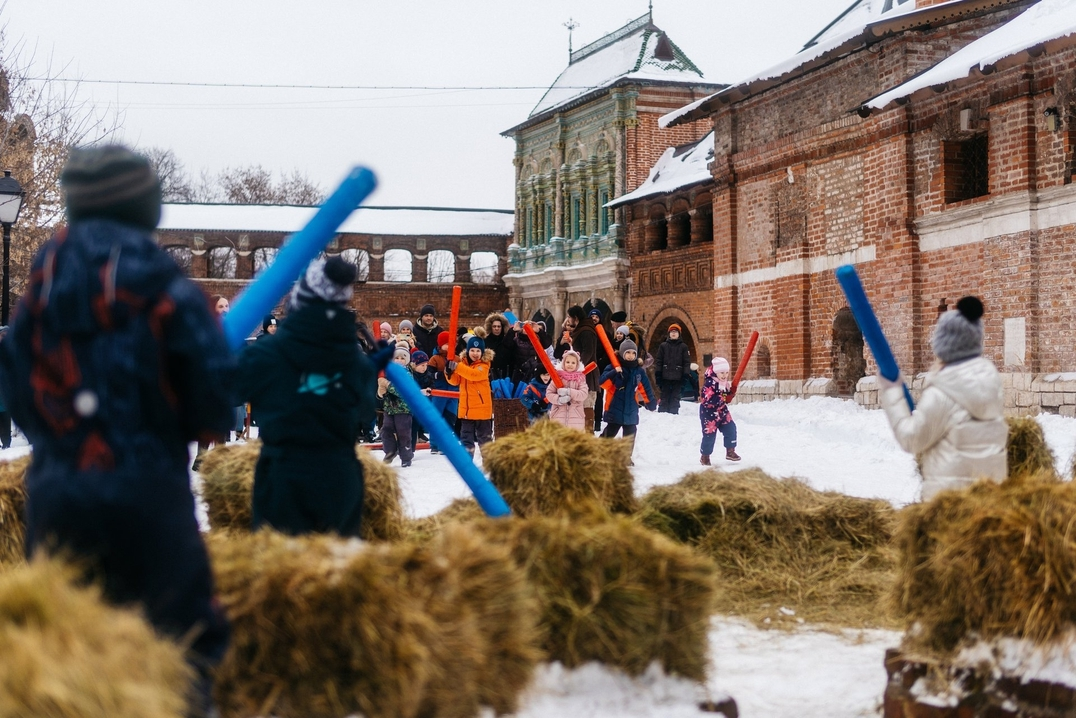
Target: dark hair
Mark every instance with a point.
(576, 312)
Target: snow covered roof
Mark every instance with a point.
(365, 220)
(639, 51)
(1043, 22)
(863, 20)
(677, 168)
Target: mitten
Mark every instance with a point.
(564, 399)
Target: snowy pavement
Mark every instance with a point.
(829, 443)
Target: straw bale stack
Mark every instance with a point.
(1028, 452)
(781, 544)
(12, 506)
(228, 483)
(326, 627)
(459, 511)
(990, 560)
(614, 592)
(551, 468)
(66, 654)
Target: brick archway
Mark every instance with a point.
(674, 314)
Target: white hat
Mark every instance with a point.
(720, 364)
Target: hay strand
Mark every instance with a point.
(781, 544)
(1028, 452)
(12, 510)
(992, 559)
(228, 484)
(66, 654)
(551, 468)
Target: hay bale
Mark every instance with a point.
(487, 613)
(992, 559)
(228, 484)
(12, 510)
(327, 627)
(614, 592)
(551, 468)
(320, 627)
(457, 512)
(382, 513)
(66, 654)
(781, 544)
(1028, 452)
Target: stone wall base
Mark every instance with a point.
(770, 389)
(1025, 394)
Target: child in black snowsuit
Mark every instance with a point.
(112, 365)
(313, 390)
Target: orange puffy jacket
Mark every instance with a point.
(476, 397)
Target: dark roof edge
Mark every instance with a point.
(872, 33)
(621, 201)
(591, 94)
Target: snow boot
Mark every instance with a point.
(588, 418)
(392, 455)
(705, 460)
(731, 455)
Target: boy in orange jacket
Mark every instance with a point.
(471, 375)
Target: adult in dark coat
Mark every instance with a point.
(112, 365)
(313, 391)
(584, 340)
(670, 365)
(597, 320)
(426, 330)
(497, 339)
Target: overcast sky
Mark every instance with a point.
(429, 147)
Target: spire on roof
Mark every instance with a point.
(571, 25)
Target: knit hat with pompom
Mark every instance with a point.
(959, 332)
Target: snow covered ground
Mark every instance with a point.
(831, 444)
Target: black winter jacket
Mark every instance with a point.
(672, 361)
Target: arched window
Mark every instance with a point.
(547, 166)
(441, 266)
(263, 257)
(602, 150)
(397, 265)
(763, 363)
(361, 259)
(484, 267)
(181, 256)
(222, 263)
(655, 234)
(846, 352)
(574, 156)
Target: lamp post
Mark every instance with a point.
(11, 196)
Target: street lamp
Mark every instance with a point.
(11, 196)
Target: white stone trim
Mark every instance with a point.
(796, 267)
(1008, 214)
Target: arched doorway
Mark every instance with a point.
(846, 351)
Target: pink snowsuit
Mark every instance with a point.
(571, 414)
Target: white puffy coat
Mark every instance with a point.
(958, 428)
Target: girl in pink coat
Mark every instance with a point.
(566, 404)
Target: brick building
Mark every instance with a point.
(669, 240)
(407, 256)
(933, 146)
(592, 137)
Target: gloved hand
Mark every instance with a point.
(564, 391)
(382, 385)
(564, 399)
(451, 365)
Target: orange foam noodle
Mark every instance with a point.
(540, 351)
(613, 358)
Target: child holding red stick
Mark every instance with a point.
(624, 386)
(567, 403)
(471, 375)
(714, 412)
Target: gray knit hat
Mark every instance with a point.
(406, 324)
(111, 182)
(329, 280)
(959, 332)
(628, 346)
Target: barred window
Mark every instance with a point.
(966, 168)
